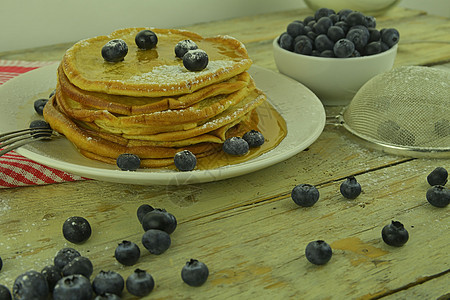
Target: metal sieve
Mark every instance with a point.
(405, 111)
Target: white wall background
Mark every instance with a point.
(33, 23)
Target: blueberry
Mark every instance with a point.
(128, 162)
(146, 39)
(350, 188)
(156, 241)
(374, 35)
(295, 28)
(115, 50)
(107, 296)
(76, 230)
(39, 106)
(64, 256)
(5, 293)
(312, 35)
(342, 25)
(305, 195)
(79, 265)
(253, 138)
(127, 253)
(30, 285)
(159, 219)
(356, 18)
(108, 282)
(184, 46)
(140, 283)
(373, 48)
(52, 274)
(371, 22)
(390, 36)
(343, 48)
(335, 33)
(323, 42)
(323, 12)
(40, 124)
(438, 196)
(318, 252)
(195, 60)
(343, 14)
(327, 53)
(303, 46)
(235, 146)
(194, 273)
(438, 176)
(185, 160)
(143, 210)
(73, 287)
(322, 25)
(395, 234)
(286, 41)
(308, 19)
(358, 37)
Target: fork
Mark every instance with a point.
(15, 139)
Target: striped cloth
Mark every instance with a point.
(16, 170)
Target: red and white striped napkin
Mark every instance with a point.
(16, 170)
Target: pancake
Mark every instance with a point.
(156, 72)
(128, 105)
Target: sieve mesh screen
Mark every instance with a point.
(405, 107)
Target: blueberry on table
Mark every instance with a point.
(64, 256)
(39, 106)
(79, 265)
(254, 138)
(438, 196)
(156, 241)
(343, 48)
(76, 230)
(159, 219)
(395, 234)
(52, 274)
(142, 211)
(108, 282)
(107, 296)
(128, 162)
(30, 285)
(140, 283)
(5, 293)
(195, 60)
(438, 176)
(185, 160)
(194, 273)
(127, 253)
(350, 188)
(115, 50)
(73, 287)
(235, 146)
(184, 46)
(318, 252)
(305, 195)
(146, 39)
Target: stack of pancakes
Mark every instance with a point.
(149, 104)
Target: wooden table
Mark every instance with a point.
(247, 229)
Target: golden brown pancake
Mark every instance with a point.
(156, 72)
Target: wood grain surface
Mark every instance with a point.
(247, 229)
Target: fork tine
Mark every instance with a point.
(15, 139)
(7, 135)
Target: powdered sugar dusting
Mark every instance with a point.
(176, 74)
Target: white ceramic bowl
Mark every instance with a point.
(334, 80)
(369, 7)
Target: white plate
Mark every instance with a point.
(302, 110)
